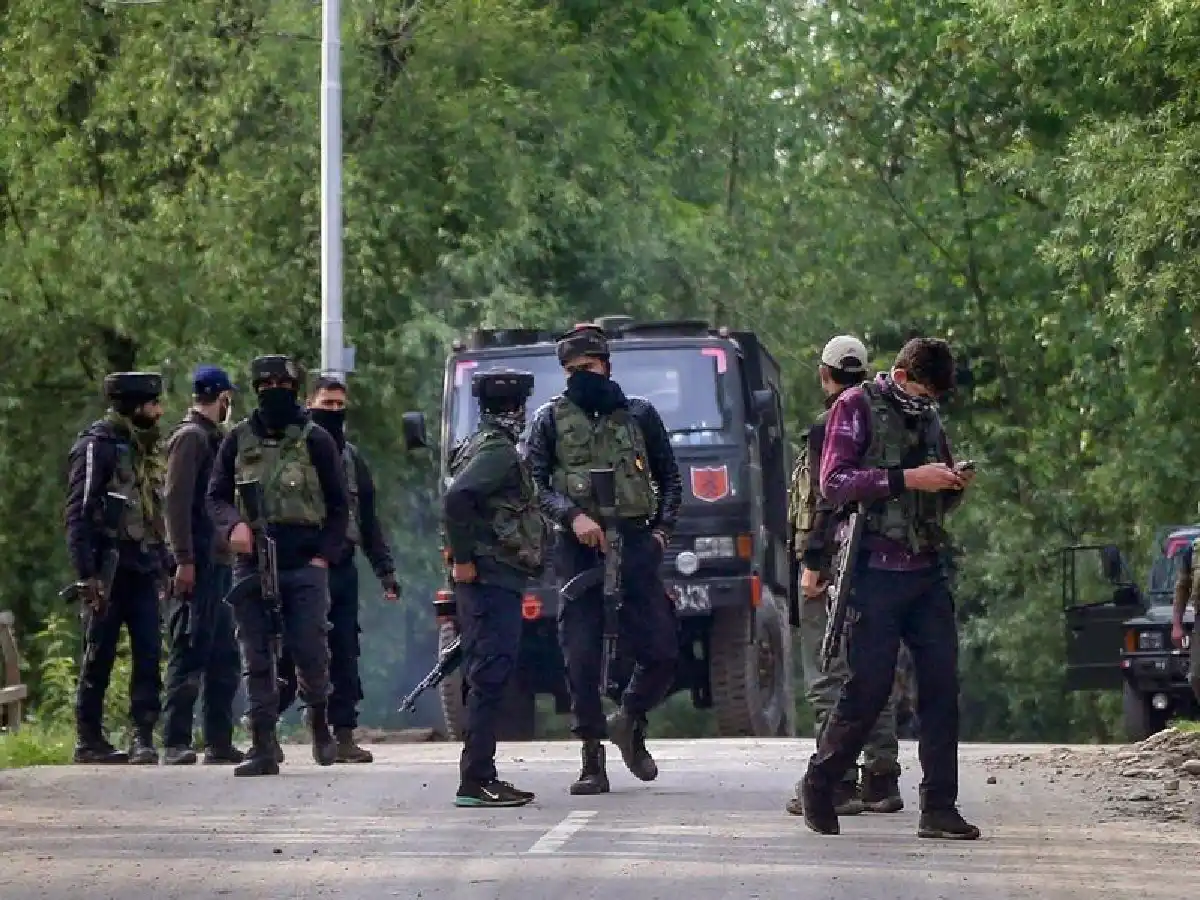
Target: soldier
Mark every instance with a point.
(593, 425)
(327, 407)
(495, 536)
(1187, 588)
(202, 647)
(843, 364)
(307, 510)
(885, 449)
(119, 454)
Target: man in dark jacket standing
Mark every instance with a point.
(119, 455)
(593, 425)
(202, 648)
(495, 536)
(306, 510)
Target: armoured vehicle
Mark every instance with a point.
(726, 569)
(1119, 637)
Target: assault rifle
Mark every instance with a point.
(264, 580)
(98, 594)
(448, 660)
(839, 592)
(604, 490)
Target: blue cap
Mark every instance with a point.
(210, 380)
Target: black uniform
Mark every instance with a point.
(344, 645)
(647, 617)
(120, 455)
(202, 649)
(307, 513)
(492, 521)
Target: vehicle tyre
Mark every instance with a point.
(1140, 717)
(750, 679)
(518, 714)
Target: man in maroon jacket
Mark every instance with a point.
(886, 453)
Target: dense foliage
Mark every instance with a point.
(1017, 176)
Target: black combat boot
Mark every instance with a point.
(881, 792)
(142, 752)
(179, 756)
(593, 779)
(223, 755)
(347, 750)
(818, 809)
(324, 747)
(92, 748)
(261, 758)
(629, 735)
(947, 824)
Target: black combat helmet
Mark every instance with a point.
(137, 386)
(501, 390)
(582, 340)
(264, 368)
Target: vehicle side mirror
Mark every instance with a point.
(412, 424)
(763, 404)
(1111, 564)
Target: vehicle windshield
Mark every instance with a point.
(685, 384)
(1166, 568)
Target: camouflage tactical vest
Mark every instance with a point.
(915, 518)
(614, 441)
(291, 487)
(802, 496)
(140, 481)
(516, 530)
(353, 529)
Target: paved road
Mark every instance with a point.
(711, 827)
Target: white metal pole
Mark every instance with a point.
(332, 337)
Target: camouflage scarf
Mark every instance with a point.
(149, 470)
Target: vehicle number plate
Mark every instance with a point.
(690, 598)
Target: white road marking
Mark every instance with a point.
(562, 832)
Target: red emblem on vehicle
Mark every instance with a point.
(711, 483)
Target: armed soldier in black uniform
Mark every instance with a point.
(119, 455)
(327, 408)
(592, 425)
(295, 466)
(495, 535)
(202, 647)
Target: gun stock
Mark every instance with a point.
(839, 592)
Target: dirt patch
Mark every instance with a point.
(1157, 779)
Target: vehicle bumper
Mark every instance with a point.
(1158, 672)
(696, 596)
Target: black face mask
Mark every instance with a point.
(278, 407)
(332, 420)
(594, 393)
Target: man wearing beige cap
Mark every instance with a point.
(812, 520)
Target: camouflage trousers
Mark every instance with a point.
(881, 753)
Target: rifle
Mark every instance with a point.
(448, 660)
(264, 580)
(839, 592)
(604, 489)
(112, 514)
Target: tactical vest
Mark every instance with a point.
(138, 480)
(615, 441)
(353, 529)
(516, 533)
(291, 487)
(915, 518)
(802, 496)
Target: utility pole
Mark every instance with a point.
(333, 347)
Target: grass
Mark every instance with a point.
(36, 745)
(1190, 727)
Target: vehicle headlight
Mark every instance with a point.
(1150, 640)
(687, 563)
(715, 547)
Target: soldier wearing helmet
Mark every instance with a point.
(495, 536)
(307, 511)
(593, 425)
(119, 454)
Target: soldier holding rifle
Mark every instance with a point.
(278, 495)
(887, 456)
